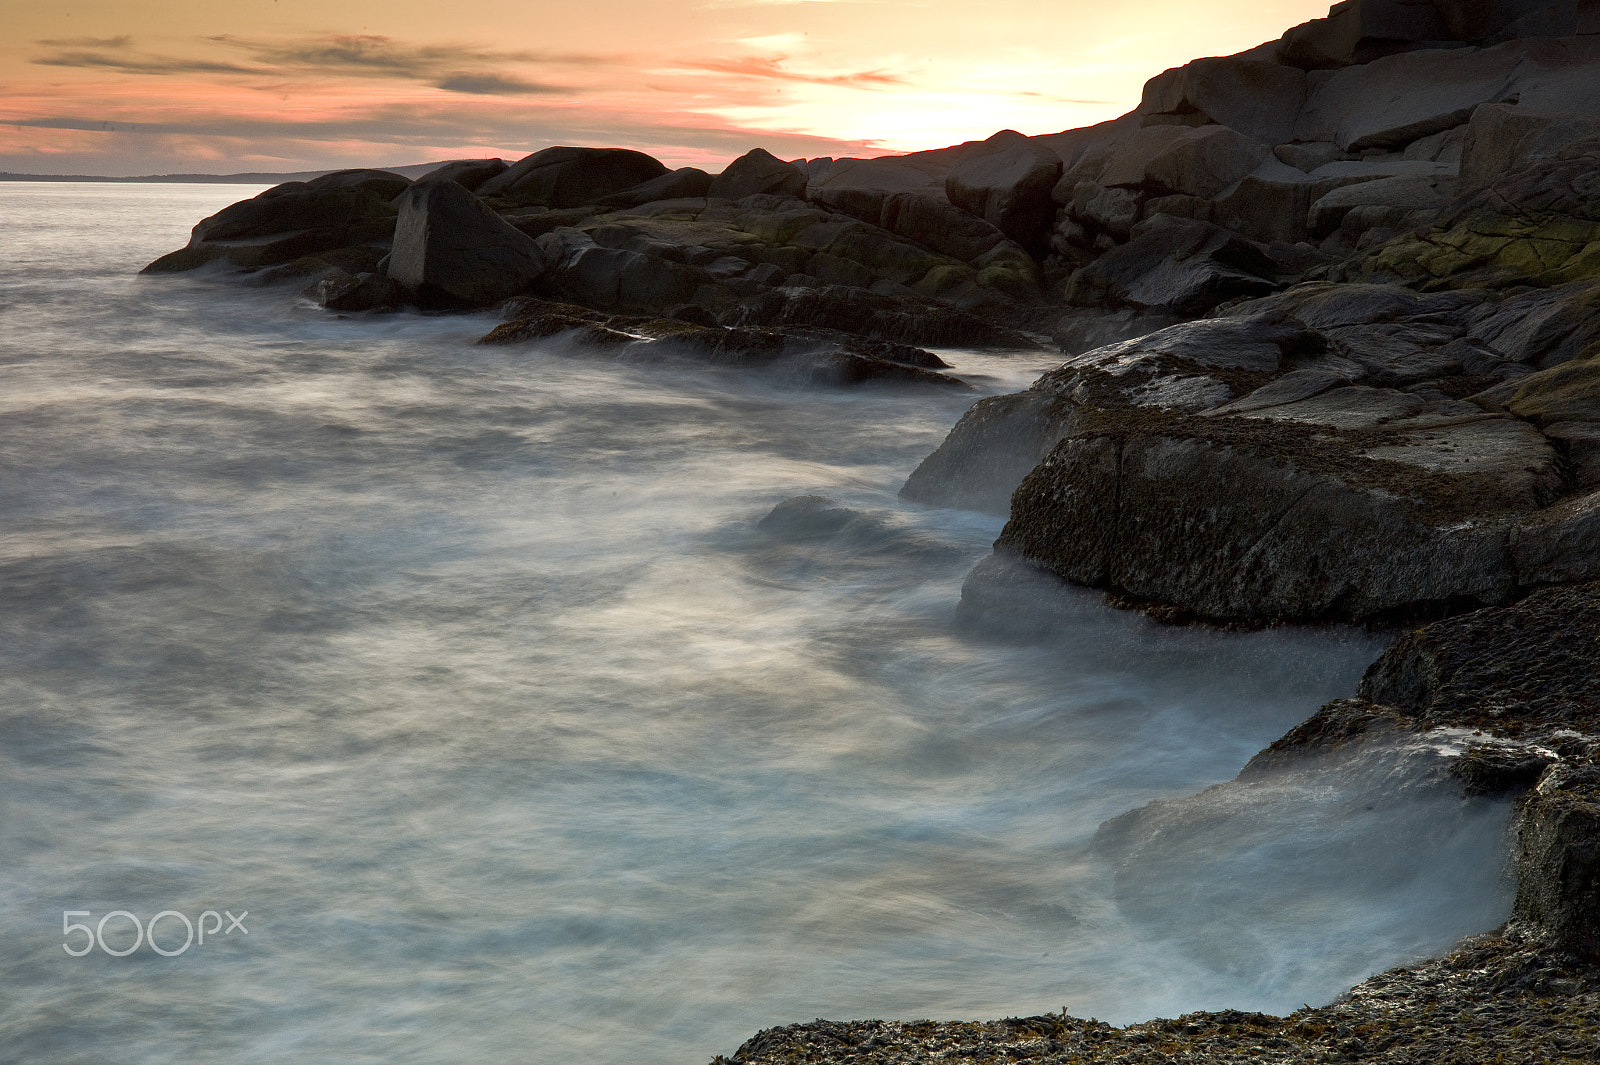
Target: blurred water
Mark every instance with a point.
(468, 674)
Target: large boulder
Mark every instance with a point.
(996, 444)
(1303, 515)
(381, 183)
(1398, 202)
(758, 172)
(450, 250)
(1008, 185)
(859, 187)
(570, 177)
(1393, 101)
(1502, 138)
(1359, 31)
(1256, 97)
(468, 173)
(1182, 161)
(285, 223)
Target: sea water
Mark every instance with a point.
(464, 681)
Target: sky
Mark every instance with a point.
(132, 87)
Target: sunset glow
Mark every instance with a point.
(122, 87)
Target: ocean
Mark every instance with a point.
(463, 681)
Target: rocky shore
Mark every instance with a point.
(1330, 315)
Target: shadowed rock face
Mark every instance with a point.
(567, 177)
(452, 251)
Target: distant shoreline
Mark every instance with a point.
(414, 170)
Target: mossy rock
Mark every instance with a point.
(1566, 393)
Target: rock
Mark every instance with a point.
(859, 187)
(1544, 328)
(1360, 31)
(1537, 225)
(996, 444)
(1274, 201)
(452, 251)
(1500, 769)
(687, 182)
(758, 172)
(357, 292)
(1307, 157)
(1179, 160)
(468, 173)
(1397, 202)
(570, 177)
(1235, 522)
(285, 223)
(1186, 268)
(868, 314)
(293, 207)
(1558, 860)
(1501, 20)
(621, 280)
(807, 518)
(1113, 211)
(1009, 186)
(1256, 97)
(381, 183)
(1502, 138)
(1395, 100)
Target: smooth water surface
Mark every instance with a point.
(468, 674)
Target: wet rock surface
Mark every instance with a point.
(1499, 998)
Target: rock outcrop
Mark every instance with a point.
(452, 251)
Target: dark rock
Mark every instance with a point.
(1359, 31)
(1186, 268)
(580, 331)
(1502, 138)
(758, 172)
(1008, 186)
(293, 207)
(1177, 160)
(452, 251)
(806, 518)
(357, 292)
(1558, 860)
(996, 444)
(1497, 769)
(1338, 515)
(1257, 97)
(570, 177)
(1528, 666)
(904, 320)
(468, 173)
(686, 183)
(1538, 225)
(381, 183)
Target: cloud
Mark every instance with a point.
(373, 55)
(495, 85)
(147, 64)
(452, 67)
(87, 42)
(760, 67)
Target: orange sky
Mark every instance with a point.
(122, 87)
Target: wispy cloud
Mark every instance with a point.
(142, 64)
(772, 68)
(495, 85)
(452, 67)
(87, 42)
